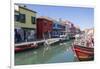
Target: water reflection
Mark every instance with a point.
(60, 52)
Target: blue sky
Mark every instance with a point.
(84, 17)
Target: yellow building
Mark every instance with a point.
(25, 18)
(25, 24)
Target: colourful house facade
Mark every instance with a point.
(25, 24)
(44, 28)
(57, 29)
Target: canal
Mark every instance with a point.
(57, 53)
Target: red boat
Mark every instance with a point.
(24, 47)
(84, 53)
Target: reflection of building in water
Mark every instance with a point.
(25, 24)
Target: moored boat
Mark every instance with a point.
(83, 46)
(84, 53)
(24, 47)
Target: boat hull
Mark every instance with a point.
(25, 47)
(84, 53)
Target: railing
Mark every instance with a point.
(39, 41)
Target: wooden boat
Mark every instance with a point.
(83, 47)
(24, 47)
(84, 53)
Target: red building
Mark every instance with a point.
(44, 28)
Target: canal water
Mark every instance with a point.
(57, 53)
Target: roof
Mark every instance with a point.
(27, 9)
(45, 17)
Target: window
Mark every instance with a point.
(33, 19)
(22, 18)
(16, 17)
(53, 25)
